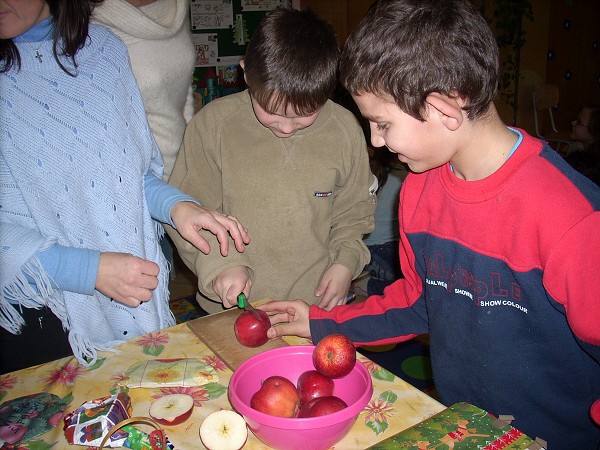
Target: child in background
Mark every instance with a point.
(382, 242)
(584, 153)
(82, 195)
(290, 164)
(499, 243)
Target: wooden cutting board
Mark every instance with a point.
(216, 331)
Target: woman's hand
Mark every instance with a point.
(189, 218)
(126, 278)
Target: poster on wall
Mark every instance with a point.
(211, 14)
(264, 5)
(207, 48)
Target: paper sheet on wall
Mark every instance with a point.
(264, 5)
(207, 49)
(211, 14)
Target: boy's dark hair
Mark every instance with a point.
(291, 60)
(407, 49)
(71, 20)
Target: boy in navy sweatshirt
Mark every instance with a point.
(498, 235)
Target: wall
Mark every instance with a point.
(562, 48)
(344, 15)
(574, 67)
(574, 43)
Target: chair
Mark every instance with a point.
(545, 98)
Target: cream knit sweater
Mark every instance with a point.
(162, 56)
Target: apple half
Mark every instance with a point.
(223, 430)
(172, 409)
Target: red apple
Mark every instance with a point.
(172, 409)
(251, 328)
(277, 396)
(312, 384)
(334, 356)
(321, 406)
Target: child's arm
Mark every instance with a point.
(288, 318)
(334, 286)
(197, 173)
(230, 283)
(571, 278)
(352, 218)
(353, 210)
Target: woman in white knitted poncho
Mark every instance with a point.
(82, 197)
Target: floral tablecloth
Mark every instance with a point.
(395, 405)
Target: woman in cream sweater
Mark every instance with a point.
(158, 38)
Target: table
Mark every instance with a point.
(395, 405)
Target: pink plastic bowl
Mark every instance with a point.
(312, 433)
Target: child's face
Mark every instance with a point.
(18, 16)
(418, 144)
(580, 127)
(283, 124)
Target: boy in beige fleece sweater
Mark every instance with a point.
(288, 163)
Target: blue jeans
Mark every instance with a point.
(384, 267)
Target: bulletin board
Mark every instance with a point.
(220, 32)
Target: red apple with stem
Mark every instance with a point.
(313, 384)
(277, 396)
(334, 356)
(251, 328)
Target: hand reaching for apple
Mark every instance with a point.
(288, 318)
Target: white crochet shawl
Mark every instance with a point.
(74, 153)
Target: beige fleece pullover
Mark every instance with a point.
(304, 199)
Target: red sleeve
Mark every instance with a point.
(571, 277)
(402, 294)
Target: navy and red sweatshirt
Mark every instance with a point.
(504, 275)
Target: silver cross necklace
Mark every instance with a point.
(38, 55)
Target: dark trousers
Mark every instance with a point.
(42, 339)
(384, 267)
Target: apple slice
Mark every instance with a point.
(172, 409)
(223, 430)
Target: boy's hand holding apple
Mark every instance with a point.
(230, 282)
(288, 318)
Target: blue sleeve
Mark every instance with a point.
(70, 268)
(161, 197)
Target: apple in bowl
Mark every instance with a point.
(277, 396)
(322, 406)
(312, 384)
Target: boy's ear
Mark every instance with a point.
(450, 109)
